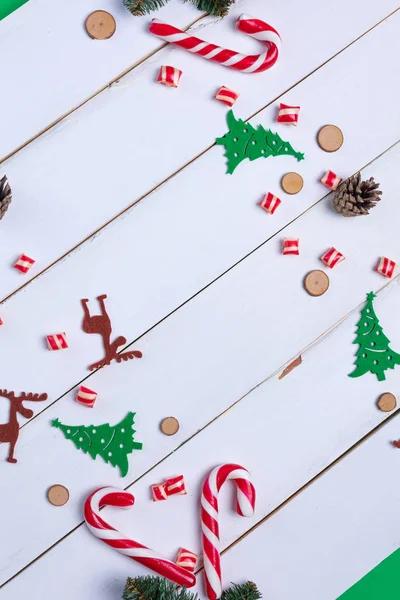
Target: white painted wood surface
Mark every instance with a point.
(283, 436)
(126, 157)
(52, 65)
(195, 272)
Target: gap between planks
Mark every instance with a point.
(300, 490)
(98, 92)
(187, 164)
(301, 352)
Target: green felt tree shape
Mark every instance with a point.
(113, 444)
(374, 354)
(243, 141)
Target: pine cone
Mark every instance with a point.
(354, 197)
(5, 196)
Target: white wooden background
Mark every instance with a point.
(119, 189)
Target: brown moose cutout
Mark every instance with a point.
(101, 324)
(9, 432)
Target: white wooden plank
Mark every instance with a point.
(196, 364)
(119, 146)
(282, 432)
(51, 65)
(144, 285)
(330, 536)
(148, 266)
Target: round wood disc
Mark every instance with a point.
(330, 138)
(170, 426)
(387, 402)
(58, 495)
(316, 283)
(292, 183)
(100, 25)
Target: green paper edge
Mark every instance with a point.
(382, 583)
(9, 6)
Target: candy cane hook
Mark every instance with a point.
(242, 62)
(111, 496)
(245, 505)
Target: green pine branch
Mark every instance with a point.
(157, 588)
(142, 7)
(219, 8)
(154, 588)
(139, 8)
(246, 591)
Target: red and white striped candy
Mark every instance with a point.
(187, 560)
(158, 491)
(175, 485)
(332, 257)
(331, 180)
(86, 396)
(169, 76)
(111, 496)
(288, 114)
(57, 341)
(270, 203)
(386, 267)
(245, 505)
(242, 62)
(226, 96)
(291, 246)
(24, 263)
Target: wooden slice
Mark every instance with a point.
(330, 138)
(292, 183)
(387, 402)
(100, 25)
(170, 426)
(58, 495)
(316, 283)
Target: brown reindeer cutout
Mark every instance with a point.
(9, 432)
(101, 324)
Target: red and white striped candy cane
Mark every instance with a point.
(111, 496)
(245, 505)
(229, 58)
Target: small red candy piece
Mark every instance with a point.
(175, 485)
(332, 257)
(331, 180)
(169, 76)
(57, 341)
(288, 114)
(158, 491)
(386, 267)
(270, 203)
(86, 396)
(226, 96)
(291, 246)
(24, 263)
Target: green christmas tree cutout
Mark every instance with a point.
(374, 354)
(243, 141)
(113, 444)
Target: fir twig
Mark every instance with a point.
(155, 588)
(219, 8)
(142, 7)
(246, 591)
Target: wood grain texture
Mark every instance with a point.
(283, 436)
(128, 152)
(200, 361)
(53, 65)
(195, 277)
